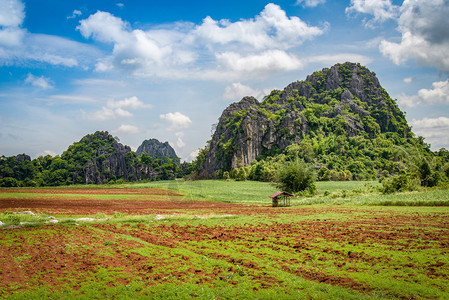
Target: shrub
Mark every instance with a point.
(428, 177)
(296, 177)
(400, 183)
(9, 182)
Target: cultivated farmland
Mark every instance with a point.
(222, 240)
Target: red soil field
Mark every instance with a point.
(150, 201)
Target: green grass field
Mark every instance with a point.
(347, 242)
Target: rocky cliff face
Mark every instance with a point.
(156, 149)
(103, 159)
(346, 99)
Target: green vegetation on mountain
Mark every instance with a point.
(340, 119)
(97, 158)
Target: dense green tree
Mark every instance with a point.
(296, 176)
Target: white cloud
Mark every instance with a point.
(77, 99)
(103, 67)
(194, 154)
(131, 102)
(104, 27)
(435, 130)
(115, 109)
(267, 62)
(409, 79)
(11, 37)
(237, 91)
(260, 45)
(427, 123)
(406, 101)
(424, 28)
(18, 46)
(271, 29)
(76, 13)
(180, 143)
(127, 129)
(439, 93)
(133, 49)
(177, 120)
(47, 49)
(11, 13)
(382, 10)
(310, 3)
(332, 59)
(47, 152)
(42, 82)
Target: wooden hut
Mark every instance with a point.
(281, 199)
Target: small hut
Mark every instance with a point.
(281, 199)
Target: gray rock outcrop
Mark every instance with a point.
(156, 149)
(349, 93)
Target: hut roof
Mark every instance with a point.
(277, 194)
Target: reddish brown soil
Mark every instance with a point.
(57, 203)
(95, 191)
(56, 255)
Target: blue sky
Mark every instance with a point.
(167, 69)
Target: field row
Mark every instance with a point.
(317, 252)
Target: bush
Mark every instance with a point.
(296, 177)
(9, 182)
(400, 183)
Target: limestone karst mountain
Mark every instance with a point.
(329, 107)
(157, 149)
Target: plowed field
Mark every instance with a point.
(91, 201)
(218, 250)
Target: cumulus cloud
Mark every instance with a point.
(180, 143)
(131, 102)
(47, 152)
(435, 130)
(133, 49)
(11, 37)
(238, 90)
(104, 27)
(266, 62)
(177, 120)
(407, 101)
(332, 59)
(424, 29)
(409, 79)
(310, 3)
(11, 13)
(115, 109)
(127, 129)
(194, 154)
(271, 28)
(439, 94)
(427, 123)
(259, 44)
(76, 13)
(41, 82)
(381, 10)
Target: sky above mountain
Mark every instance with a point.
(167, 69)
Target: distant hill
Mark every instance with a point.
(97, 158)
(339, 118)
(156, 149)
